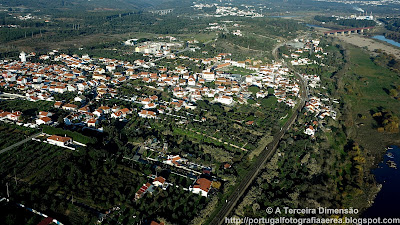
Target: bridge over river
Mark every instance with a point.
(358, 30)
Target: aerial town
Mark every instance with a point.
(57, 73)
(198, 112)
(39, 81)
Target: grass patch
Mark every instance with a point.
(365, 89)
(74, 135)
(366, 84)
(261, 146)
(241, 71)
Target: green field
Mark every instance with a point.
(364, 92)
(366, 84)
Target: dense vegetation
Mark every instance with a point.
(385, 60)
(16, 215)
(393, 27)
(335, 163)
(77, 187)
(76, 4)
(67, 25)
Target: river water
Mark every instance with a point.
(386, 203)
(382, 38)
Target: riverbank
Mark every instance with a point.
(362, 86)
(371, 44)
(384, 39)
(385, 203)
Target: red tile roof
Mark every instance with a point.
(203, 184)
(59, 138)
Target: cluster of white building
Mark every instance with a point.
(157, 49)
(235, 11)
(303, 46)
(26, 17)
(230, 10)
(362, 16)
(320, 106)
(41, 81)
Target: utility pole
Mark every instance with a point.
(15, 177)
(8, 193)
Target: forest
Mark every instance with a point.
(392, 25)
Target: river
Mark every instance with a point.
(387, 201)
(382, 38)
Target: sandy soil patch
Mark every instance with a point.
(371, 44)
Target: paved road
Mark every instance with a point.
(264, 156)
(11, 96)
(209, 41)
(19, 143)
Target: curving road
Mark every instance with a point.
(264, 156)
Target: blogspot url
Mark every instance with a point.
(311, 220)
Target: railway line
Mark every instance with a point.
(264, 156)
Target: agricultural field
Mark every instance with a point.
(11, 134)
(80, 186)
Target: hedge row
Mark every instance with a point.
(74, 135)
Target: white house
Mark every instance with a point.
(22, 56)
(92, 122)
(147, 114)
(202, 187)
(59, 141)
(249, 79)
(260, 95)
(82, 86)
(80, 98)
(310, 131)
(208, 76)
(44, 114)
(159, 181)
(43, 120)
(14, 116)
(70, 107)
(227, 100)
(118, 114)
